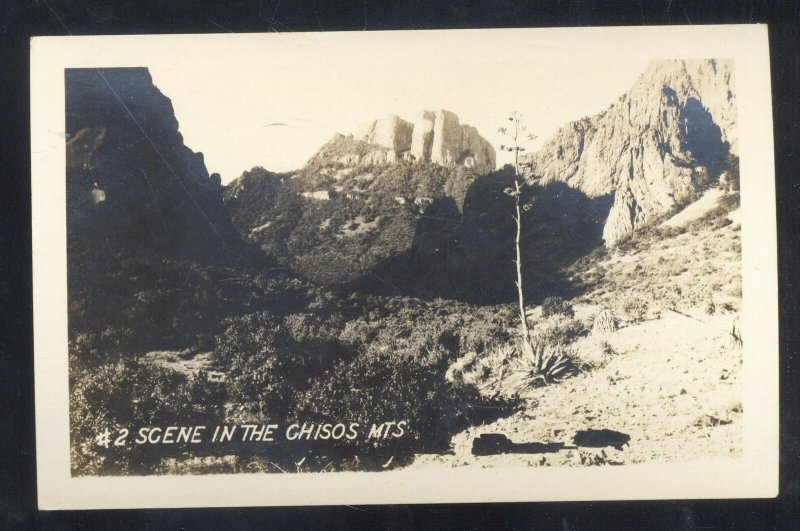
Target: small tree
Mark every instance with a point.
(731, 180)
(516, 133)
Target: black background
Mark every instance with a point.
(23, 19)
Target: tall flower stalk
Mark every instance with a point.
(517, 136)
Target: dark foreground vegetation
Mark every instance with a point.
(289, 353)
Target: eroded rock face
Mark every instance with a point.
(434, 136)
(455, 144)
(391, 132)
(658, 146)
(422, 138)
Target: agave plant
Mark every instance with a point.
(541, 364)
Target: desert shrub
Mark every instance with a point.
(384, 386)
(730, 201)
(708, 306)
(606, 348)
(129, 395)
(312, 331)
(89, 349)
(718, 216)
(96, 347)
(556, 306)
(672, 297)
(487, 373)
(189, 353)
(558, 328)
(669, 231)
(404, 323)
(605, 321)
(169, 303)
(268, 359)
(456, 372)
(604, 352)
(509, 368)
(357, 333)
(626, 243)
(484, 330)
(387, 363)
(632, 308)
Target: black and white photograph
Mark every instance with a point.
(358, 255)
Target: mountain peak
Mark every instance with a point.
(435, 136)
(652, 150)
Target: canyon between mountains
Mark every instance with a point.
(377, 284)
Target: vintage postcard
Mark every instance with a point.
(404, 267)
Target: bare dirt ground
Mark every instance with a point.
(190, 366)
(672, 385)
(696, 210)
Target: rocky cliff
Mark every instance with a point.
(654, 149)
(131, 182)
(390, 132)
(435, 136)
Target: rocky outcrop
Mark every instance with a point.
(434, 136)
(391, 132)
(246, 197)
(656, 148)
(422, 138)
(454, 144)
(350, 151)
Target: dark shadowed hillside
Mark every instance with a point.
(334, 222)
(150, 243)
(562, 225)
(411, 228)
(131, 181)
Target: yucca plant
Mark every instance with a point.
(540, 364)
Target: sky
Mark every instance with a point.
(276, 103)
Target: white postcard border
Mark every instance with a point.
(753, 475)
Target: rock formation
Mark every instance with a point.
(654, 149)
(422, 138)
(391, 132)
(455, 144)
(364, 201)
(434, 136)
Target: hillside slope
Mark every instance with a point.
(673, 385)
(345, 213)
(667, 375)
(151, 247)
